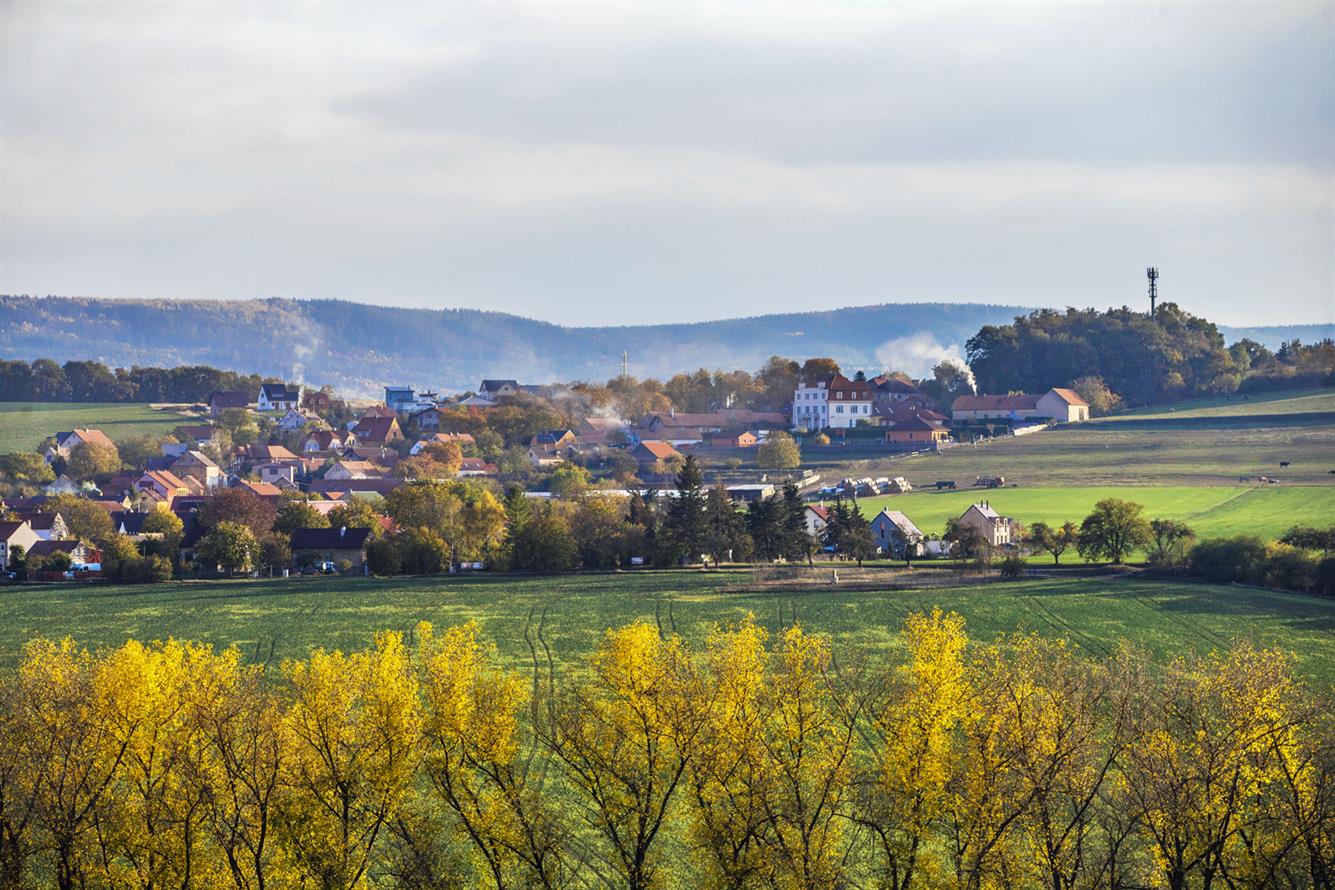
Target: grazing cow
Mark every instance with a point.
(1283, 464)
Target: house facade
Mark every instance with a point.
(1059, 404)
(222, 401)
(917, 431)
(279, 397)
(992, 527)
(835, 403)
(895, 535)
(14, 534)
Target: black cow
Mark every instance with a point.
(1283, 464)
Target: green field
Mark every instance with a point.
(1211, 512)
(1198, 444)
(23, 425)
(284, 618)
(1296, 401)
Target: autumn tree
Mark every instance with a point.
(1171, 538)
(92, 459)
(779, 451)
(229, 546)
(86, 520)
(353, 724)
(1055, 541)
(295, 514)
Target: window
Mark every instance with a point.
(839, 409)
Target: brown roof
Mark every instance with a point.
(8, 528)
(195, 431)
(918, 422)
(262, 489)
(857, 390)
(270, 452)
(167, 479)
(1018, 402)
(375, 429)
(96, 436)
(1070, 397)
(660, 450)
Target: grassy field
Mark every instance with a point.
(1199, 444)
(284, 618)
(1295, 401)
(1211, 511)
(23, 425)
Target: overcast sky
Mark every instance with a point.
(599, 164)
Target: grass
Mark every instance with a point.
(1211, 512)
(285, 618)
(23, 425)
(1294, 401)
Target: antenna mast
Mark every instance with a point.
(1153, 274)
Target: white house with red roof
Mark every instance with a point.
(832, 403)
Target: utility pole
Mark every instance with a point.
(625, 364)
(1153, 274)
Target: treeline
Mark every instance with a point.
(1143, 359)
(83, 381)
(756, 761)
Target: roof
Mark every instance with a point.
(195, 431)
(280, 392)
(856, 389)
(476, 465)
(820, 510)
(230, 400)
(360, 466)
(382, 485)
(447, 437)
(551, 437)
(894, 385)
(491, 385)
(985, 509)
(901, 522)
(42, 522)
(9, 527)
(330, 538)
(197, 457)
(261, 489)
(1017, 402)
(270, 452)
(46, 548)
(918, 422)
(165, 478)
(97, 437)
(374, 429)
(660, 450)
(132, 522)
(1069, 396)
(723, 419)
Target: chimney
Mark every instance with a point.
(342, 531)
(672, 412)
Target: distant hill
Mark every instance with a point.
(359, 348)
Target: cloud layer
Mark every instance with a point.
(617, 163)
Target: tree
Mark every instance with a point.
(465, 515)
(544, 544)
(25, 468)
(779, 451)
(814, 369)
(1171, 537)
(86, 520)
(968, 541)
(92, 459)
(169, 527)
(275, 553)
(726, 536)
(138, 451)
(353, 725)
(230, 546)
(1308, 538)
(1102, 400)
(685, 531)
(240, 507)
(295, 514)
(569, 480)
(1113, 531)
(1053, 540)
(356, 514)
(439, 460)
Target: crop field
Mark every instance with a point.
(1212, 512)
(284, 618)
(23, 425)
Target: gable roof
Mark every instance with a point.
(8, 528)
(130, 521)
(330, 538)
(896, 385)
(280, 392)
(660, 450)
(269, 453)
(551, 437)
(94, 437)
(493, 385)
(820, 510)
(917, 422)
(985, 510)
(165, 478)
(195, 431)
(46, 548)
(43, 522)
(231, 399)
(260, 489)
(855, 389)
(1069, 396)
(375, 429)
(901, 522)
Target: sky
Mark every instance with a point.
(617, 164)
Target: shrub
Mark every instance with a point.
(1013, 567)
(1223, 560)
(383, 557)
(1323, 579)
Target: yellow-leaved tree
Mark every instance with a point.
(915, 724)
(476, 761)
(352, 730)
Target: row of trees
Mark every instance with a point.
(42, 380)
(757, 761)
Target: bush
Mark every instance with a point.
(1323, 579)
(545, 544)
(344, 566)
(1013, 567)
(1225, 560)
(1289, 568)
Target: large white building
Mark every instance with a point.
(837, 403)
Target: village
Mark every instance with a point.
(308, 462)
